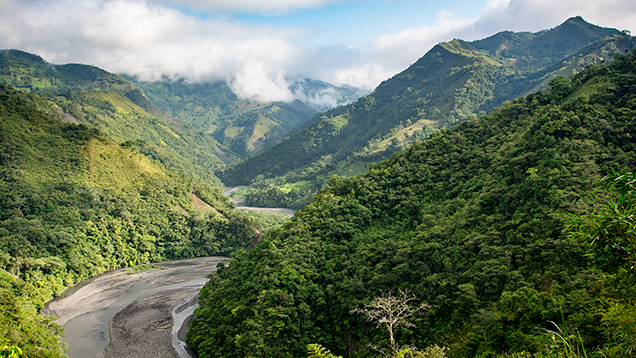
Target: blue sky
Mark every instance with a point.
(260, 46)
(357, 23)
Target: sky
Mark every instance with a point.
(260, 46)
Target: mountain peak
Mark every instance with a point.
(576, 19)
(13, 55)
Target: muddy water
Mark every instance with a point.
(87, 310)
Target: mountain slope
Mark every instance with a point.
(453, 82)
(244, 126)
(470, 220)
(89, 95)
(74, 204)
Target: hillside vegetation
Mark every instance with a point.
(453, 82)
(244, 126)
(471, 221)
(74, 204)
(89, 95)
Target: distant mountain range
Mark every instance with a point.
(473, 223)
(244, 126)
(191, 127)
(455, 81)
(197, 128)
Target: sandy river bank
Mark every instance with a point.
(119, 314)
(240, 204)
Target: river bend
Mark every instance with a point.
(119, 314)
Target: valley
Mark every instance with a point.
(240, 204)
(489, 185)
(127, 312)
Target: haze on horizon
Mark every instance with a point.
(259, 46)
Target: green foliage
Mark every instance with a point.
(73, 204)
(434, 351)
(452, 83)
(609, 234)
(10, 351)
(22, 329)
(470, 220)
(275, 197)
(318, 351)
(265, 222)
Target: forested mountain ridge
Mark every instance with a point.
(212, 120)
(89, 95)
(244, 126)
(470, 220)
(453, 82)
(74, 204)
(31, 73)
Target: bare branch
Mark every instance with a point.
(391, 311)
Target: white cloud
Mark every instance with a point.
(252, 81)
(535, 15)
(150, 39)
(400, 49)
(323, 100)
(247, 5)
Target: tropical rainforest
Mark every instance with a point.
(497, 224)
(74, 204)
(244, 126)
(490, 186)
(453, 82)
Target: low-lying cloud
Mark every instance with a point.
(153, 40)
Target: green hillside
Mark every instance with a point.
(31, 73)
(471, 221)
(91, 96)
(74, 204)
(244, 126)
(453, 82)
(177, 145)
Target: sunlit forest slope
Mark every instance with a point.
(74, 204)
(470, 220)
(453, 82)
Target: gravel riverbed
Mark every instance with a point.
(121, 314)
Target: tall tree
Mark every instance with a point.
(392, 311)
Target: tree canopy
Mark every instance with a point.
(470, 220)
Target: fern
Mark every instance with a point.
(318, 351)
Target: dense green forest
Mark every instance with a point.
(244, 126)
(453, 82)
(492, 223)
(74, 204)
(89, 95)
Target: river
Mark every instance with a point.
(124, 314)
(240, 204)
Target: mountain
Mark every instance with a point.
(471, 221)
(244, 126)
(453, 82)
(89, 95)
(321, 96)
(74, 204)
